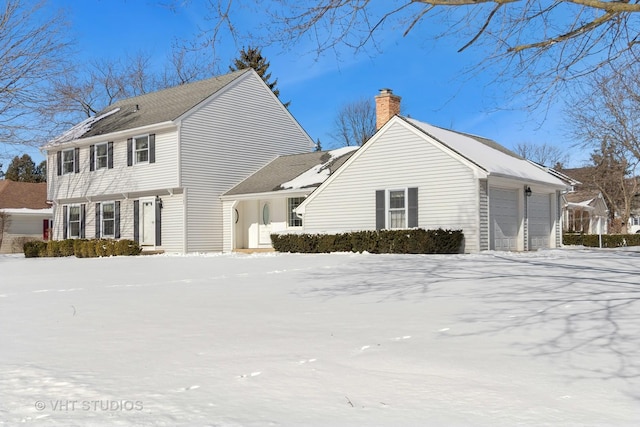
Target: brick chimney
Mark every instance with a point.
(387, 106)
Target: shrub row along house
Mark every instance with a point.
(220, 165)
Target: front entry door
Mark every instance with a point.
(148, 221)
(264, 227)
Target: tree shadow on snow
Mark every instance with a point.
(580, 306)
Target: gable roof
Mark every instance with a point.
(296, 171)
(148, 109)
(23, 195)
(490, 156)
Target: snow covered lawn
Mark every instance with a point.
(497, 339)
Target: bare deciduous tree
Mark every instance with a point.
(355, 122)
(544, 154)
(540, 44)
(604, 115)
(33, 50)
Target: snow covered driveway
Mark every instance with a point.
(497, 339)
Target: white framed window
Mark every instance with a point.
(102, 156)
(74, 217)
(68, 161)
(141, 149)
(294, 220)
(397, 209)
(108, 219)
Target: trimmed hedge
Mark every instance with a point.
(608, 240)
(81, 248)
(414, 241)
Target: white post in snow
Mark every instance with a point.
(600, 231)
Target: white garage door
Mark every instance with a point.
(539, 221)
(503, 205)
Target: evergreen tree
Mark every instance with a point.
(24, 169)
(318, 146)
(251, 57)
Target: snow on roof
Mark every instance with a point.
(27, 211)
(487, 154)
(319, 173)
(80, 129)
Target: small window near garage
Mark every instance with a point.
(141, 148)
(293, 219)
(397, 209)
(68, 161)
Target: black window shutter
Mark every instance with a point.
(116, 232)
(380, 209)
(110, 155)
(136, 218)
(413, 208)
(92, 157)
(83, 214)
(152, 148)
(65, 222)
(76, 159)
(59, 162)
(129, 151)
(98, 221)
(158, 221)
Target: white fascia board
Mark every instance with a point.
(82, 142)
(296, 192)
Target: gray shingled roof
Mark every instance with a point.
(157, 107)
(284, 169)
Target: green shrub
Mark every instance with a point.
(34, 249)
(608, 240)
(81, 248)
(414, 241)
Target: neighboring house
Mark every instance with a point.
(24, 214)
(409, 174)
(584, 209)
(152, 168)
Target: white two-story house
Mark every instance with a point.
(152, 168)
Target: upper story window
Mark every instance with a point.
(141, 146)
(294, 220)
(141, 149)
(68, 161)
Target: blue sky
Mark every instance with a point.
(428, 75)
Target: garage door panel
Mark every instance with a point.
(539, 207)
(504, 219)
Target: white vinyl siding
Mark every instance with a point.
(240, 130)
(121, 178)
(399, 158)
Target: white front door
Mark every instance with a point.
(148, 223)
(264, 224)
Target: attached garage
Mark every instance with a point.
(504, 218)
(539, 214)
